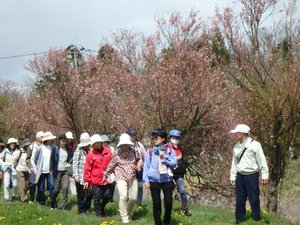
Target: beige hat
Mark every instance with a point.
(48, 136)
(69, 135)
(96, 138)
(85, 140)
(241, 128)
(12, 140)
(39, 134)
(124, 140)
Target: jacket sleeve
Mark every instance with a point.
(146, 166)
(170, 160)
(262, 162)
(106, 160)
(87, 169)
(233, 168)
(112, 165)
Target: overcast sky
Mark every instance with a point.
(30, 26)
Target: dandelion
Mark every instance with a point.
(2, 218)
(40, 218)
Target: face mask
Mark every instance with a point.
(174, 141)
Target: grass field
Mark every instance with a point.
(27, 214)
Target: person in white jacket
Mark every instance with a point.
(248, 162)
(9, 171)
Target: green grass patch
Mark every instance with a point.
(21, 213)
(291, 181)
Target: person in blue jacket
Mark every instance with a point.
(157, 175)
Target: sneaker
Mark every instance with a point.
(126, 220)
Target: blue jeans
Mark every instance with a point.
(181, 189)
(41, 198)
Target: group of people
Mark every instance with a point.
(96, 168)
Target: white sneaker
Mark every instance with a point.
(126, 220)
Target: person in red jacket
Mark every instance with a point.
(180, 170)
(96, 163)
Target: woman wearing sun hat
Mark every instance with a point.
(43, 167)
(10, 173)
(22, 167)
(84, 197)
(124, 165)
(96, 163)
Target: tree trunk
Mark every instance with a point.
(276, 173)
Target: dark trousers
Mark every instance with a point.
(41, 198)
(167, 188)
(247, 186)
(84, 198)
(61, 181)
(32, 186)
(102, 195)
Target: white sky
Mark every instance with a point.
(29, 26)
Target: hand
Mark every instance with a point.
(264, 182)
(76, 180)
(232, 182)
(161, 154)
(138, 168)
(147, 185)
(86, 185)
(103, 180)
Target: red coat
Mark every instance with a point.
(96, 163)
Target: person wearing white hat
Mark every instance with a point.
(22, 165)
(84, 197)
(10, 173)
(125, 163)
(247, 162)
(96, 163)
(71, 145)
(31, 152)
(42, 161)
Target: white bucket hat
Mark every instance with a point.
(69, 135)
(124, 140)
(85, 140)
(241, 128)
(12, 140)
(96, 138)
(48, 136)
(39, 135)
(105, 138)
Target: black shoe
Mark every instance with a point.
(100, 214)
(187, 213)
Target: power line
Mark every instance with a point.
(24, 55)
(39, 53)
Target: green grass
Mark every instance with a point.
(27, 214)
(291, 181)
